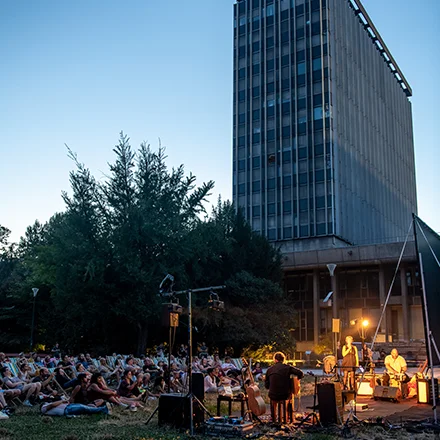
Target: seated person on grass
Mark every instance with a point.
(45, 378)
(28, 390)
(129, 386)
(98, 389)
(158, 387)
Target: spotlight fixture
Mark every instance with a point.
(166, 286)
(215, 303)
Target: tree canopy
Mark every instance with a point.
(99, 263)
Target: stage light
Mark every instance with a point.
(166, 286)
(365, 322)
(353, 322)
(422, 391)
(215, 303)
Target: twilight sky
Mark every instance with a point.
(78, 72)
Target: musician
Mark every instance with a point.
(278, 379)
(350, 361)
(396, 369)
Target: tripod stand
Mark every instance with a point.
(313, 416)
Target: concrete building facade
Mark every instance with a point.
(323, 152)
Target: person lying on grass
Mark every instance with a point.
(63, 408)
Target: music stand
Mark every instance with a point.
(313, 415)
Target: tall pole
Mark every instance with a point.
(190, 326)
(428, 341)
(34, 291)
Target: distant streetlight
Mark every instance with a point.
(362, 327)
(34, 292)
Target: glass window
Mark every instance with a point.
(241, 165)
(270, 10)
(317, 113)
(256, 130)
(242, 20)
(287, 181)
(256, 162)
(256, 115)
(241, 188)
(270, 42)
(271, 208)
(256, 211)
(287, 232)
(271, 184)
(287, 206)
(301, 68)
(255, 92)
(317, 64)
(272, 234)
(256, 46)
(256, 186)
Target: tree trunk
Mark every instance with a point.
(142, 338)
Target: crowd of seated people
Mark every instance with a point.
(120, 381)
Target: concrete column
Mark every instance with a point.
(382, 296)
(405, 305)
(316, 308)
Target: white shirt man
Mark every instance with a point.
(394, 363)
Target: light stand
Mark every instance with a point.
(165, 289)
(191, 395)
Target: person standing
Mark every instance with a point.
(350, 361)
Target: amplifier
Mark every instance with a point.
(392, 394)
(331, 408)
(174, 410)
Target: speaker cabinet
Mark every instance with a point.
(174, 410)
(331, 409)
(198, 386)
(391, 394)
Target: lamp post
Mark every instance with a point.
(362, 327)
(335, 322)
(34, 292)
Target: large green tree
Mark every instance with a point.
(99, 264)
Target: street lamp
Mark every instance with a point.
(335, 322)
(34, 292)
(362, 327)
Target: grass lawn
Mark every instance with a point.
(28, 424)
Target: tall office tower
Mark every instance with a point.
(323, 151)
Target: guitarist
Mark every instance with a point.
(278, 380)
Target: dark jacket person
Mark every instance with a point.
(278, 380)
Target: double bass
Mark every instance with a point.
(255, 401)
